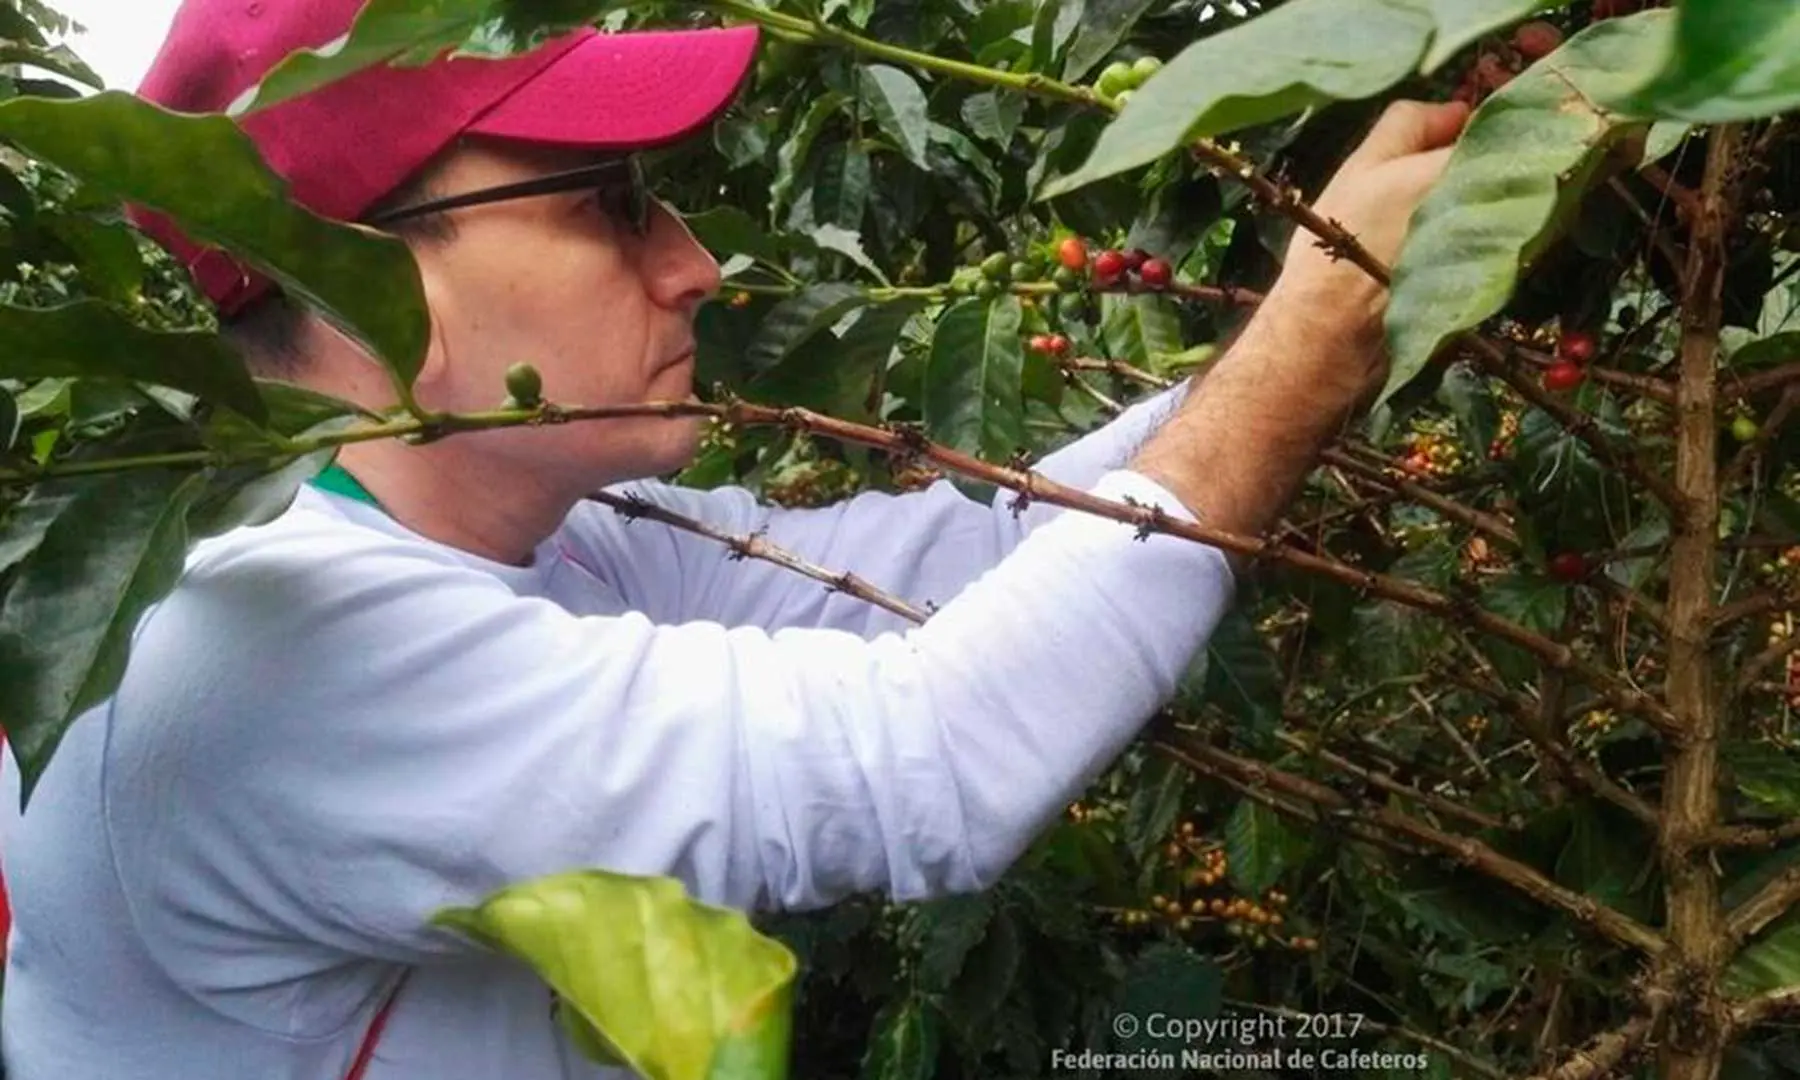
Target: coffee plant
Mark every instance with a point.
(1494, 758)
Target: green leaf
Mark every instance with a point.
(1281, 62)
(1724, 62)
(9, 422)
(89, 338)
(798, 318)
(1173, 980)
(1534, 602)
(848, 243)
(671, 987)
(974, 397)
(946, 929)
(1257, 845)
(835, 376)
(1772, 962)
(794, 152)
(106, 252)
(1767, 352)
(1135, 328)
(1517, 174)
(988, 974)
(113, 545)
(1243, 677)
(994, 115)
(1104, 23)
(411, 33)
(905, 1043)
(1460, 22)
(727, 231)
(59, 59)
(1600, 859)
(1156, 801)
(1766, 774)
(252, 495)
(900, 110)
(365, 284)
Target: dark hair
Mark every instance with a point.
(269, 332)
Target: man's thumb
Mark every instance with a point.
(1412, 127)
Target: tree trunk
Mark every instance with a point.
(1698, 1027)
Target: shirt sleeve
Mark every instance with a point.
(326, 734)
(922, 547)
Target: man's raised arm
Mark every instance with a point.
(1247, 436)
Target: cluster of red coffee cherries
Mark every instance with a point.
(1112, 266)
(1049, 344)
(1573, 351)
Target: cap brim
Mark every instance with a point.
(627, 91)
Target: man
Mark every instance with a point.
(440, 671)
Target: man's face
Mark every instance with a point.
(559, 282)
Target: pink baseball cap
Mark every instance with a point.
(344, 146)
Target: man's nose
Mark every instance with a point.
(683, 273)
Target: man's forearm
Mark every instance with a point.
(1247, 436)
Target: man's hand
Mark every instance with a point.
(1252, 429)
(1373, 196)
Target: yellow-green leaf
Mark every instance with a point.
(673, 988)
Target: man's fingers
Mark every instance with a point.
(1411, 127)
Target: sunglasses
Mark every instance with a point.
(628, 201)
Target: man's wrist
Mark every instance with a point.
(1326, 330)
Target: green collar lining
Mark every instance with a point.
(335, 480)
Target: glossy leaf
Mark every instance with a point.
(9, 421)
(113, 545)
(947, 929)
(1520, 168)
(1156, 801)
(1771, 962)
(410, 33)
(1256, 847)
(905, 1043)
(59, 59)
(365, 284)
(838, 377)
(898, 105)
(89, 338)
(792, 156)
(673, 988)
(974, 398)
(994, 115)
(848, 243)
(989, 974)
(1136, 328)
(1168, 978)
(1767, 774)
(840, 193)
(798, 318)
(1724, 62)
(1104, 23)
(1292, 58)
(1243, 676)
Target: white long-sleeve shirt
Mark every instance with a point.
(334, 727)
